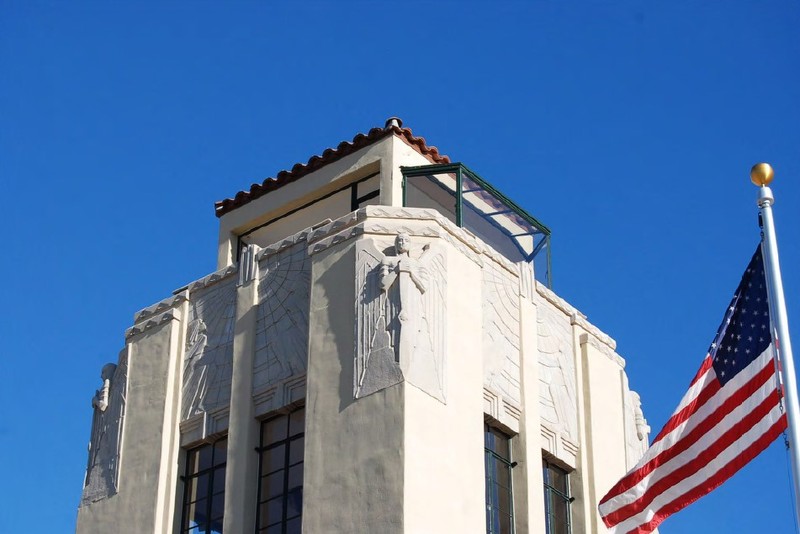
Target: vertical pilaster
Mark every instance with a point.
(528, 481)
(241, 479)
(604, 443)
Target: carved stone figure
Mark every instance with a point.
(642, 428)
(400, 309)
(195, 370)
(557, 376)
(636, 429)
(208, 356)
(102, 470)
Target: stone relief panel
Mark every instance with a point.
(282, 321)
(557, 391)
(208, 356)
(401, 315)
(105, 445)
(501, 331)
(637, 431)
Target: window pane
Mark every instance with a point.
(273, 430)
(204, 457)
(220, 451)
(271, 512)
(499, 498)
(558, 479)
(273, 459)
(556, 499)
(217, 506)
(272, 485)
(296, 447)
(500, 444)
(193, 462)
(294, 526)
(295, 476)
(297, 422)
(505, 523)
(560, 510)
(219, 480)
(504, 502)
(196, 513)
(200, 487)
(294, 502)
(274, 529)
(503, 474)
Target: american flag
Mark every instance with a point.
(730, 414)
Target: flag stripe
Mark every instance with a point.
(702, 411)
(699, 461)
(730, 413)
(689, 406)
(697, 429)
(775, 423)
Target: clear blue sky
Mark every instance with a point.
(628, 128)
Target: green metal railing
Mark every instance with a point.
(487, 194)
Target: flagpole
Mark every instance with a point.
(761, 175)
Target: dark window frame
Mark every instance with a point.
(554, 524)
(498, 456)
(289, 444)
(191, 477)
(355, 203)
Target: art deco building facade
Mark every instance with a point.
(378, 352)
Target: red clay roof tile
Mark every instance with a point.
(393, 126)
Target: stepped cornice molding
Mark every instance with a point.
(154, 321)
(210, 279)
(592, 340)
(160, 307)
(387, 220)
(575, 315)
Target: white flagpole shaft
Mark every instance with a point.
(780, 321)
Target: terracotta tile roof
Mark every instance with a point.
(394, 126)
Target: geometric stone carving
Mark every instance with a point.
(501, 331)
(285, 393)
(208, 357)
(102, 470)
(557, 391)
(248, 265)
(282, 317)
(400, 317)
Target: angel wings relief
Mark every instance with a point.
(400, 311)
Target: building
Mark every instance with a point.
(378, 352)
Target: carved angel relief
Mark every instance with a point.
(102, 470)
(208, 356)
(557, 395)
(195, 371)
(400, 311)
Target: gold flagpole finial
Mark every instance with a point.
(762, 174)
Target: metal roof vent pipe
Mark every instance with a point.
(393, 121)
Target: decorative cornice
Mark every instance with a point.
(591, 339)
(575, 316)
(367, 221)
(292, 240)
(160, 307)
(139, 328)
(555, 300)
(210, 279)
